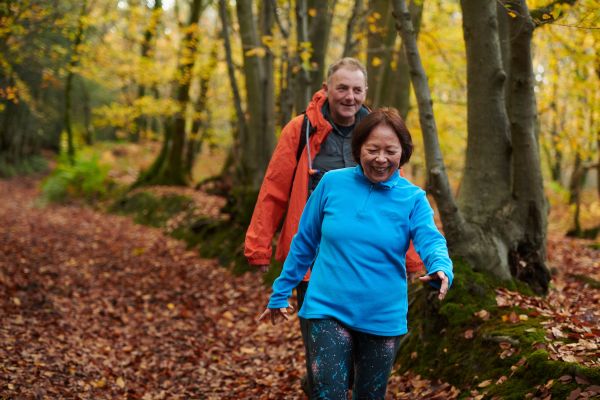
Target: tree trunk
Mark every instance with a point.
(88, 130)
(259, 140)
(142, 122)
(286, 99)
(528, 246)
(498, 224)
(380, 43)
(350, 43)
(397, 90)
(199, 123)
(319, 27)
(304, 52)
(438, 185)
(73, 62)
(230, 168)
(168, 168)
(486, 182)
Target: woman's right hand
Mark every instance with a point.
(275, 313)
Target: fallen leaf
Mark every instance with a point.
(483, 314)
(485, 383)
(565, 378)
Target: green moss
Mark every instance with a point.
(447, 341)
(148, 209)
(26, 166)
(539, 370)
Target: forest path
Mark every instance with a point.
(94, 306)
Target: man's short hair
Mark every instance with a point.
(349, 63)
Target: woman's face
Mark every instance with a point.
(380, 154)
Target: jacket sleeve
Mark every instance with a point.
(273, 197)
(303, 249)
(413, 261)
(429, 242)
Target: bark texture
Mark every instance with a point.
(500, 225)
(259, 139)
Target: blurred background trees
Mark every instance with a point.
(202, 88)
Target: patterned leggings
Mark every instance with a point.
(334, 348)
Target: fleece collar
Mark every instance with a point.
(389, 184)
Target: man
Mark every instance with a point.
(296, 169)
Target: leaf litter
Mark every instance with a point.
(95, 306)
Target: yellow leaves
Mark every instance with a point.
(376, 62)
(137, 251)
(100, 383)
(373, 18)
(10, 93)
(16, 301)
(512, 14)
(171, 306)
(312, 12)
(305, 54)
(120, 382)
(256, 52)
(547, 16)
(267, 40)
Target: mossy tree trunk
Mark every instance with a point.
(256, 142)
(498, 223)
(199, 130)
(391, 85)
(350, 43)
(313, 27)
(141, 122)
(169, 168)
(73, 62)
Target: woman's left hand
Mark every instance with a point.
(439, 275)
(274, 313)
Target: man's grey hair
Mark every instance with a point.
(349, 63)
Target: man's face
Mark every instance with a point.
(346, 92)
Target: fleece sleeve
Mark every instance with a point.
(429, 242)
(273, 197)
(303, 249)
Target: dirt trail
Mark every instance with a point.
(93, 306)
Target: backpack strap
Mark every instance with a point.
(305, 132)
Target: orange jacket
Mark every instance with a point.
(285, 190)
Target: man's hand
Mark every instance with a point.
(264, 268)
(439, 275)
(274, 313)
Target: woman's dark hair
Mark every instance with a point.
(382, 116)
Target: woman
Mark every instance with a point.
(361, 221)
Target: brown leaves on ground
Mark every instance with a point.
(93, 306)
(572, 305)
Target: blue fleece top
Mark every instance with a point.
(362, 231)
